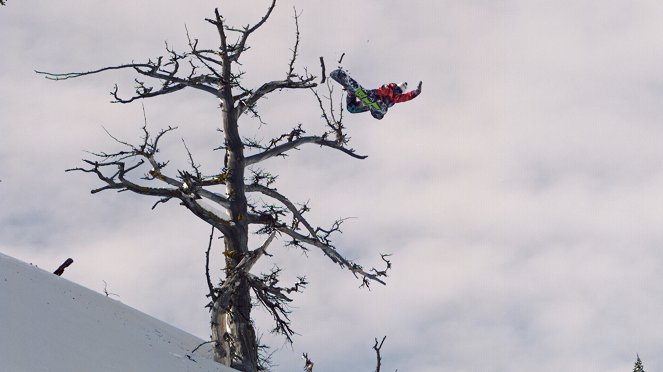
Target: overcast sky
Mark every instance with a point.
(521, 194)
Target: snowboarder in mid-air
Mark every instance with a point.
(377, 101)
(389, 94)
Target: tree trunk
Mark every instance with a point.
(233, 331)
(232, 328)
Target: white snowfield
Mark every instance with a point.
(48, 323)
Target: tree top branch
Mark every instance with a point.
(240, 47)
(271, 86)
(280, 149)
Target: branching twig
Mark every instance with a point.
(285, 201)
(199, 346)
(240, 46)
(246, 264)
(106, 290)
(332, 254)
(166, 73)
(187, 192)
(377, 348)
(324, 73)
(336, 125)
(388, 265)
(71, 75)
(288, 146)
(266, 88)
(291, 66)
(275, 299)
(308, 367)
(210, 286)
(192, 163)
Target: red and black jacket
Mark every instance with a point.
(388, 94)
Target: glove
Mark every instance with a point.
(419, 88)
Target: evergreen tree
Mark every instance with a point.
(638, 365)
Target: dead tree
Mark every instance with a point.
(139, 169)
(308, 364)
(377, 347)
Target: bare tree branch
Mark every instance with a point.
(275, 299)
(210, 286)
(332, 254)
(283, 200)
(71, 75)
(108, 294)
(303, 83)
(291, 66)
(377, 347)
(187, 195)
(246, 264)
(203, 56)
(335, 124)
(308, 364)
(189, 184)
(240, 47)
(225, 61)
(199, 346)
(283, 148)
(165, 71)
(324, 73)
(319, 237)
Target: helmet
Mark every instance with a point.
(401, 88)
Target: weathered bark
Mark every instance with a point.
(232, 327)
(234, 337)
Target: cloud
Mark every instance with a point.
(519, 194)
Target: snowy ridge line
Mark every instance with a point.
(51, 324)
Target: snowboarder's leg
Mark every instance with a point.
(377, 114)
(354, 105)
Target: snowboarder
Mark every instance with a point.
(389, 94)
(377, 101)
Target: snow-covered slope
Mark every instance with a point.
(48, 323)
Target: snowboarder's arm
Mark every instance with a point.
(407, 96)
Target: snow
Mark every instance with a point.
(48, 323)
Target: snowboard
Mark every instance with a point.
(367, 97)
